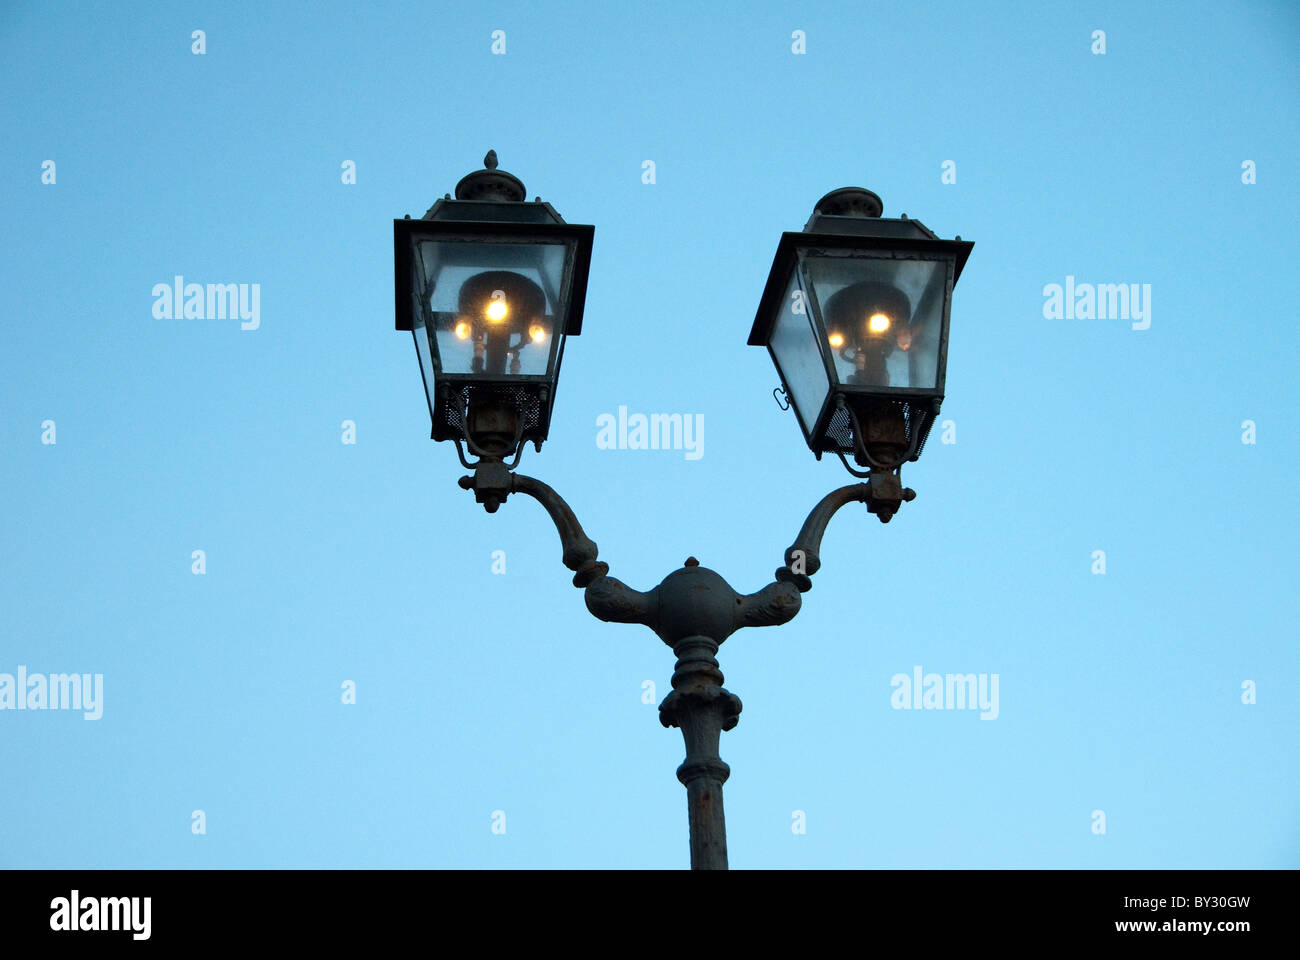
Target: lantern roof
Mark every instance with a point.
(492, 195)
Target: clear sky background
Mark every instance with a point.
(479, 692)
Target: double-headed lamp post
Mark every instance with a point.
(854, 314)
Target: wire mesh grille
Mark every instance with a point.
(523, 399)
(917, 418)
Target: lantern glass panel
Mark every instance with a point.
(490, 308)
(422, 351)
(882, 316)
(794, 344)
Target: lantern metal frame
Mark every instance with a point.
(516, 408)
(846, 223)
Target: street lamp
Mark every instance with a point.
(855, 314)
(489, 287)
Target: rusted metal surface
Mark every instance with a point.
(702, 709)
(492, 483)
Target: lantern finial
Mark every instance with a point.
(490, 183)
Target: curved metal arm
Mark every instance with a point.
(882, 494)
(492, 482)
(613, 601)
(772, 606)
(580, 550)
(802, 557)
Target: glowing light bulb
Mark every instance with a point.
(878, 323)
(836, 340)
(462, 330)
(537, 333)
(496, 309)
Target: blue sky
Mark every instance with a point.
(477, 692)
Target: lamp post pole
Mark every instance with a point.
(693, 610)
(702, 709)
